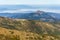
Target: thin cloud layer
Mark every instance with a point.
(29, 10)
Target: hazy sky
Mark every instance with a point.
(30, 2)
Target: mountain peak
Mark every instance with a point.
(39, 12)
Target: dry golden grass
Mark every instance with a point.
(7, 34)
(17, 35)
(22, 29)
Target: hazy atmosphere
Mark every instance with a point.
(30, 2)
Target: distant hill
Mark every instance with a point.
(10, 7)
(43, 16)
(15, 7)
(38, 30)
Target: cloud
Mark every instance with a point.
(29, 11)
(17, 11)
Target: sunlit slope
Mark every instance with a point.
(6, 34)
(35, 28)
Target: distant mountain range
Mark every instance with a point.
(15, 7)
(43, 16)
(19, 8)
(28, 6)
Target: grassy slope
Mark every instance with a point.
(21, 29)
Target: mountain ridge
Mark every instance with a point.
(36, 28)
(44, 16)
